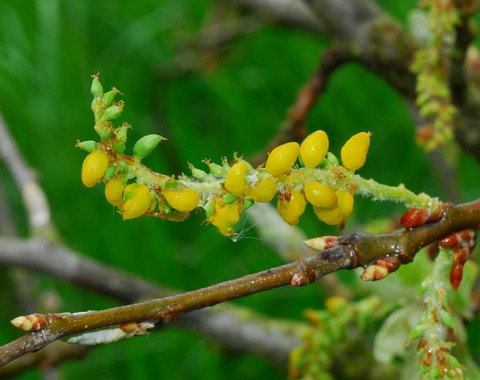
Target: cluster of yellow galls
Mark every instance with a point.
(134, 199)
(331, 206)
(242, 184)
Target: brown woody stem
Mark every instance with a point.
(354, 250)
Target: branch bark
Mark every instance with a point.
(354, 250)
(227, 326)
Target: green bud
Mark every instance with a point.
(118, 147)
(434, 373)
(228, 198)
(112, 112)
(146, 145)
(453, 361)
(198, 173)
(96, 89)
(330, 161)
(217, 170)
(110, 172)
(121, 133)
(209, 208)
(165, 207)
(247, 203)
(447, 319)
(109, 97)
(417, 331)
(424, 286)
(123, 167)
(423, 370)
(105, 134)
(88, 145)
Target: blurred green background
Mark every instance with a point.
(233, 101)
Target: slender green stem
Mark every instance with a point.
(380, 192)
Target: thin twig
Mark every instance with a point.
(33, 196)
(227, 326)
(352, 251)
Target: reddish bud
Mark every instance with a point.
(456, 275)
(322, 243)
(381, 269)
(32, 322)
(464, 238)
(463, 243)
(136, 328)
(415, 217)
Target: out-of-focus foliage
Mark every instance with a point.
(233, 102)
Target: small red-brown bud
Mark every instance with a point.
(381, 269)
(31, 322)
(322, 243)
(456, 276)
(414, 217)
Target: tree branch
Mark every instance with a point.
(228, 326)
(352, 251)
(287, 12)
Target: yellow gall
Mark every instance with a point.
(225, 217)
(345, 202)
(320, 195)
(177, 216)
(282, 158)
(94, 167)
(235, 180)
(354, 152)
(292, 208)
(114, 191)
(339, 213)
(183, 200)
(314, 149)
(263, 191)
(331, 216)
(137, 200)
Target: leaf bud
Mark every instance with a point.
(31, 322)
